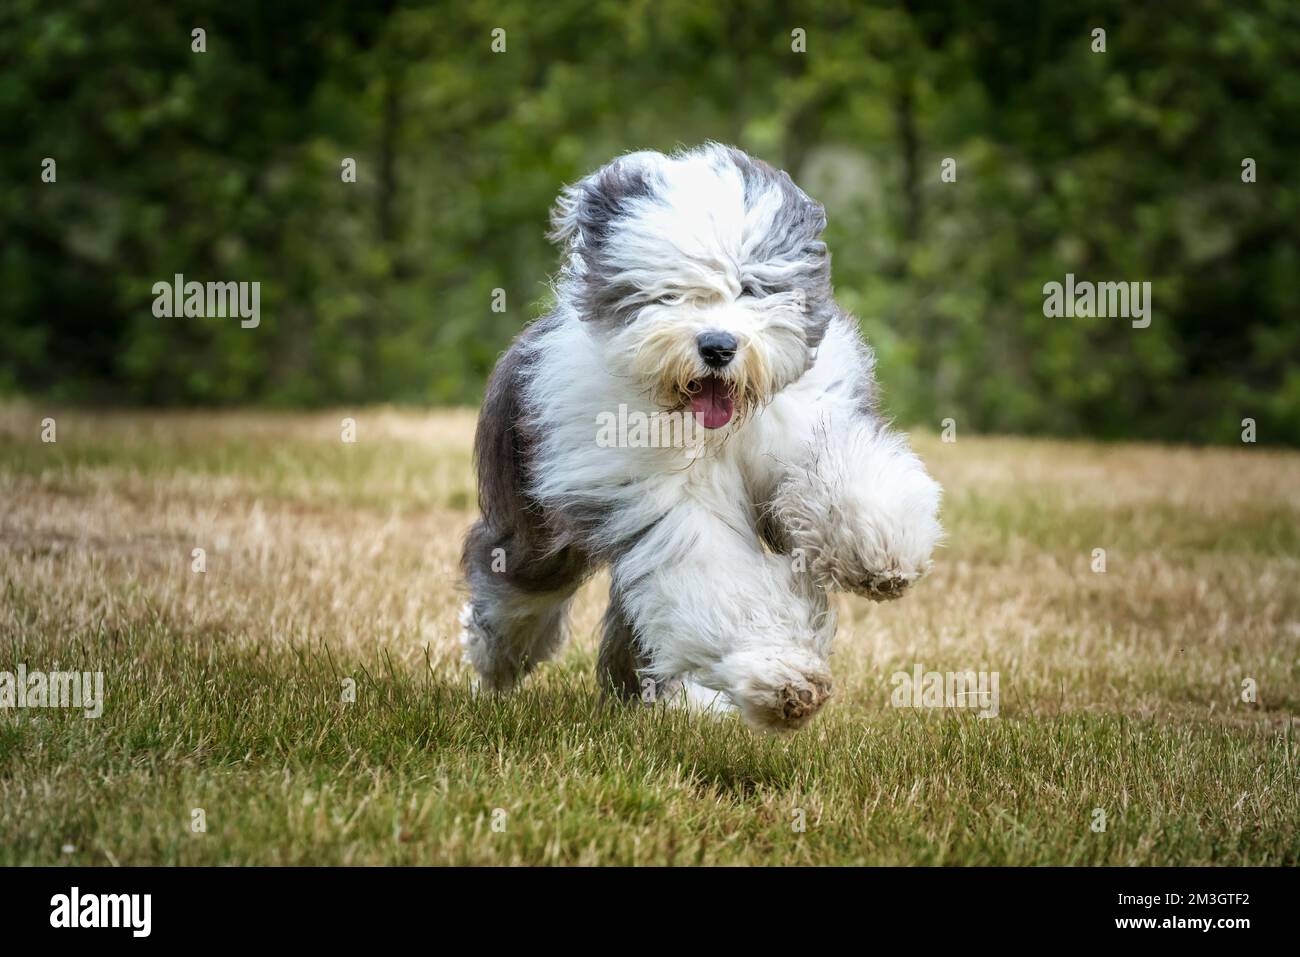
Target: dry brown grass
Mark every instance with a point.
(319, 550)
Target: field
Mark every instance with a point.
(1123, 736)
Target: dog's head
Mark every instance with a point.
(702, 273)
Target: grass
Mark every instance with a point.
(1120, 691)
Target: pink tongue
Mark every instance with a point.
(712, 404)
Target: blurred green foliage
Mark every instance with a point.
(225, 165)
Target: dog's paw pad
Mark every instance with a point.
(799, 703)
(884, 586)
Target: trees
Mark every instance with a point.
(226, 166)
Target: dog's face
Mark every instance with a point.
(703, 274)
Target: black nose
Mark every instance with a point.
(716, 348)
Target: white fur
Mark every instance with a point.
(720, 607)
(714, 608)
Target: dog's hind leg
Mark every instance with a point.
(621, 663)
(625, 674)
(520, 577)
(716, 613)
(516, 613)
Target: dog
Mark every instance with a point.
(694, 285)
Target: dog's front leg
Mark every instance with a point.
(858, 505)
(705, 600)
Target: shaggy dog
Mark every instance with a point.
(694, 301)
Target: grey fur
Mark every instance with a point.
(521, 574)
(795, 234)
(590, 210)
(621, 663)
(523, 563)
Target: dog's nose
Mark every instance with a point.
(716, 348)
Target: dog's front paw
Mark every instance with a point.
(863, 516)
(881, 575)
(778, 691)
(884, 586)
(873, 546)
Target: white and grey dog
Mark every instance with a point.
(695, 284)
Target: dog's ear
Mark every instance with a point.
(801, 212)
(585, 211)
(806, 215)
(817, 213)
(564, 215)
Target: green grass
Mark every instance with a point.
(415, 769)
(1120, 691)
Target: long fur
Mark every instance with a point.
(719, 560)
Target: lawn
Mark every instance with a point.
(330, 572)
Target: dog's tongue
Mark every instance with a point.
(712, 404)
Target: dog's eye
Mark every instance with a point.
(751, 289)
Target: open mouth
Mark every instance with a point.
(712, 401)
